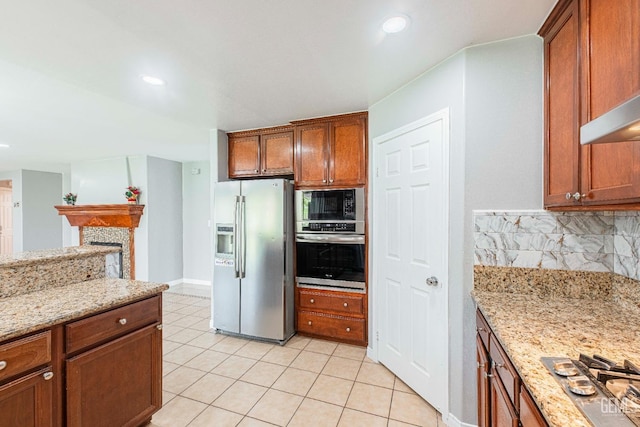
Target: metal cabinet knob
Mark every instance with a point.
(122, 321)
(312, 301)
(47, 376)
(159, 327)
(3, 364)
(479, 329)
(256, 170)
(487, 375)
(348, 329)
(480, 365)
(432, 281)
(567, 196)
(324, 180)
(264, 170)
(579, 196)
(345, 304)
(330, 180)
(309, 322)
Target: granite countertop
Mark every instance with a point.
(530, 327)
(30, 312)
(73, 252)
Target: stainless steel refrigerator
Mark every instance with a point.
(253, 259)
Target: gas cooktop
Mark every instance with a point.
(606, 392)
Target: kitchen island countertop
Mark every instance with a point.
(30, 312)
(530, 327)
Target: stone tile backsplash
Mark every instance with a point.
(585, 241)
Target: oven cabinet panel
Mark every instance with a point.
(345, 303)
(351, 330)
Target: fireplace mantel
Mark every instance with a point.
(120, 216)
(124, 216)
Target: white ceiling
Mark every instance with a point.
(69, 69)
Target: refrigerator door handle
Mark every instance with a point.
(236, 248)
(243, 237)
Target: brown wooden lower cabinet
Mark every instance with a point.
(28, 400)
(339, 316)
(107, 373)
(116, 384)
(502, 398)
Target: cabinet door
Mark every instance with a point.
(611, 64)
(244, 156)
(276, 153)
(562, 106)
(347, 161)
(118, 383)
(484, 414)
(27, 401)
(503, 413)
(312, 154)
(530, 415)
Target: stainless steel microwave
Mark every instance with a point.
(330, 211)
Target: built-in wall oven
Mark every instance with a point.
(330, 240)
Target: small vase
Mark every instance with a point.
(132, 201)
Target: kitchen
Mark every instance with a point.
(495, 120)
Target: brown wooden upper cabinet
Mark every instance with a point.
(331, 151)
(592, 64)
(261, 152)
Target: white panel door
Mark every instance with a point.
(410, 255)
(6, 221)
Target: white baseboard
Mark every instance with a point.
(452, 421)
(189, 281)
(197, 282)
(371, 355)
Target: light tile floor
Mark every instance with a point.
(216, 380)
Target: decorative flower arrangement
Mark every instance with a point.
(70, 198)
(132, 194)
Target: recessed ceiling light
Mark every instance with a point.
(153, 80)
(4, 145)
(395, 24)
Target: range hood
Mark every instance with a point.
(620, 124)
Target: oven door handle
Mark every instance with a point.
(329, 238)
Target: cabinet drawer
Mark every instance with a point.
(505, 370)
(348, 304)
(24, 354)
(117, 322)
(482, 327)
(331, 326)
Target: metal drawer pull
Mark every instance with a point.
(159, 327)
(3, 364)
(47, 376)
(122, 321)
(311, 300)
(498, 365)
(345, 304)
(487, 375)
(309, 322)
(348, 329)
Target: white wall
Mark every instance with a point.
(196, 199)
(16, 197)
(41, 225)
(164, 206)
(494, 93)
(36, 223)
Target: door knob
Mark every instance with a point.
(432, 281)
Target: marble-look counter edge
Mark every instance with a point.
(51, 255)
(23, 314)
(530, 327)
